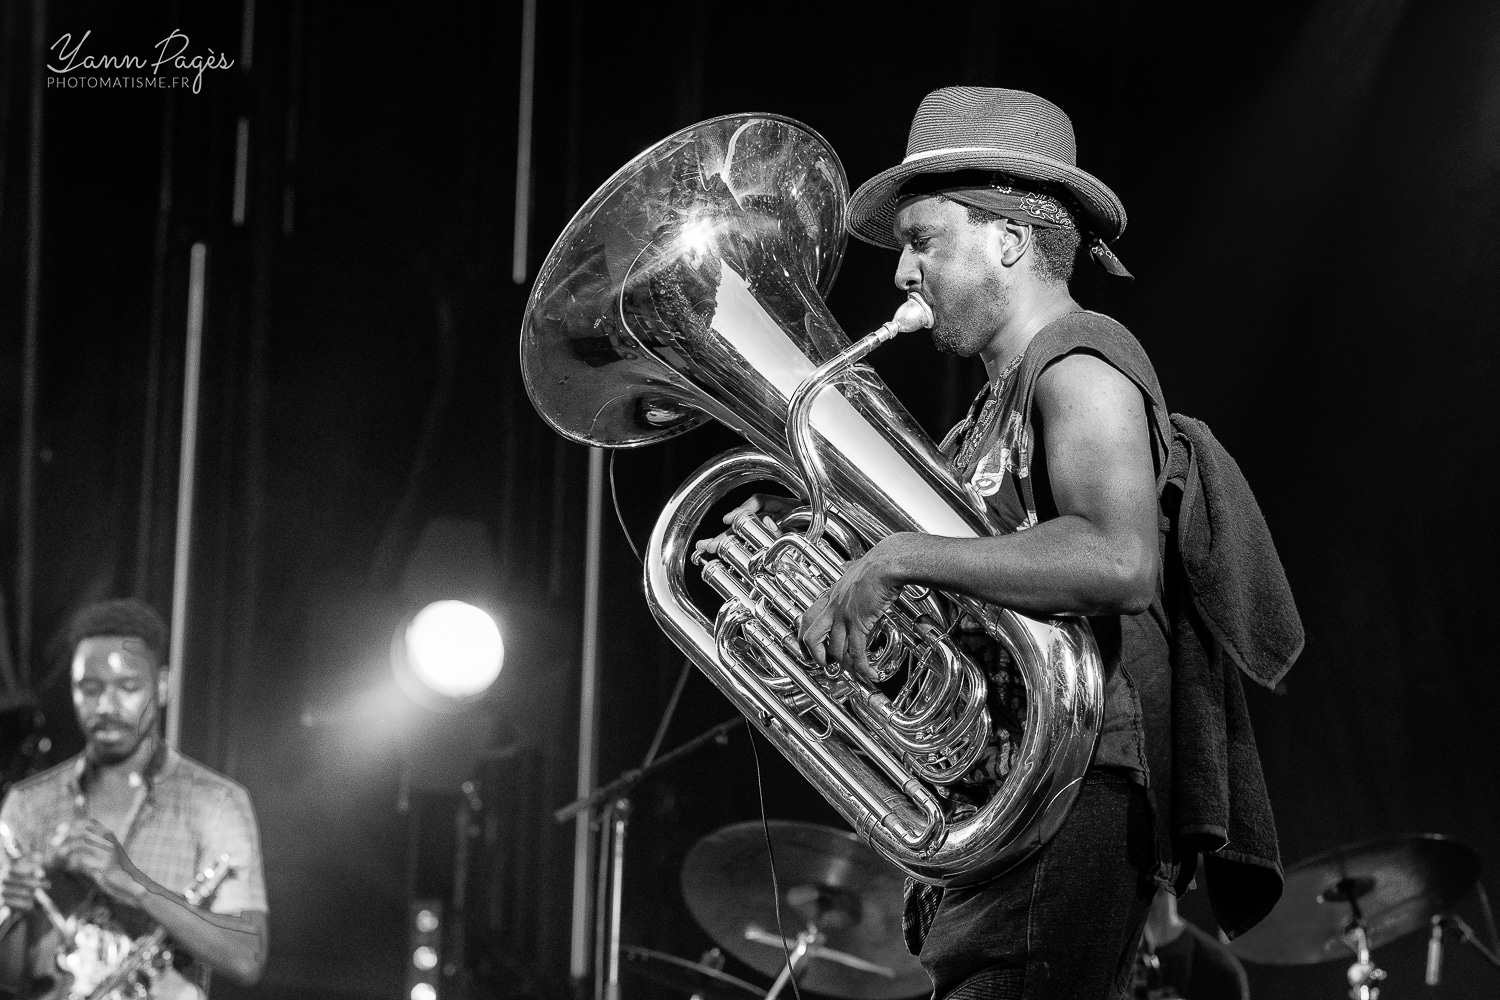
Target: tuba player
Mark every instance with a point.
(1067, 444)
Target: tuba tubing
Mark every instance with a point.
(848, 782)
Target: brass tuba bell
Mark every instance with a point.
(690, 286)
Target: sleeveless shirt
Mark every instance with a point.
(998, 457)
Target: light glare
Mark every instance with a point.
(454, 649)
(698, 235)
(424, 991)
(424, 958)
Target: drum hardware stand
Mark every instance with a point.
(611, 804)
(1363, 974)
(809, 944)
(1452, 922)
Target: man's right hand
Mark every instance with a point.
(24, 877)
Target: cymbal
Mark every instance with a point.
(692, 978)
(1398, 885)
(828, 878)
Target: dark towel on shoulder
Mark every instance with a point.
(1226, 606)
(1233, 609)
(1239, 587)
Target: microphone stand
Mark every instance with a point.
(612, 804)
(622, 785)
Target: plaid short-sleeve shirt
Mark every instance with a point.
(190, 816)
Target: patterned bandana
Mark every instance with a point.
(1010, 198)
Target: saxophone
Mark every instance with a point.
(690, 287)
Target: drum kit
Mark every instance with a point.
(1346, 902)
(832, 921)
(820, 911)
(830, 918)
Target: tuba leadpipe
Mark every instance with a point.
(690, 287)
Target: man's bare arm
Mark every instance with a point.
(1098, 556)
(231, 943)
(234, 944)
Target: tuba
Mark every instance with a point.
(690, 287)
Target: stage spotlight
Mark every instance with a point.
(448, 654)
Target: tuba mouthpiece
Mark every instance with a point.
(912, 315)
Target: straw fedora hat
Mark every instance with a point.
(986, 128)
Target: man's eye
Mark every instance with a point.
(130, 687)
(91, 690)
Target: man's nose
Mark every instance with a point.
(908, 275)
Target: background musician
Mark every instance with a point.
(117, 833)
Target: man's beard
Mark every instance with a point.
(99, 753)
(113, 752)
(951, 338)
(962, 336)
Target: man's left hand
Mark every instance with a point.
(90, 848)
(836, 628)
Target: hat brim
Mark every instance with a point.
(872, 209)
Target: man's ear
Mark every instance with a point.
(1015, 240)
(162, 687)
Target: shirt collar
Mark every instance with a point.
(163, 761)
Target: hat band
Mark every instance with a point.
(928, 154)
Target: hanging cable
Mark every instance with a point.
(614, 496)
(765, 826)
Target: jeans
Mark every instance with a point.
(1062, 925)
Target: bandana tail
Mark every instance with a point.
(1105, 257)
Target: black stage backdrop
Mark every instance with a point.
(1313, 187)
